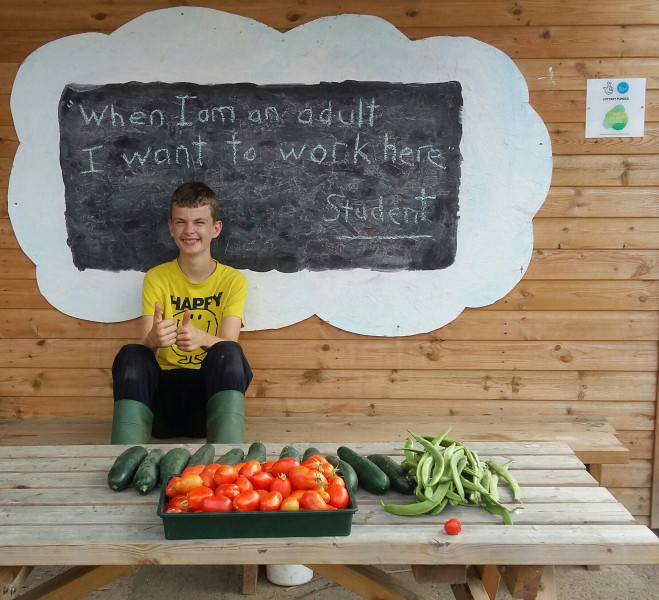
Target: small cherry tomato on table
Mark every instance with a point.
(453, 527)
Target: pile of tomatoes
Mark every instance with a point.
(284, 484)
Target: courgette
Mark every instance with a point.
(398, 478)
(309, 452)
(173, 463)
(232, 457)
(346, 471)
(290, 452)
(123, 470)
(147, 474)
(203, 456)
(256, 452)
(371, 477)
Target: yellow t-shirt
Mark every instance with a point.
(222, 295)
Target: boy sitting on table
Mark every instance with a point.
(187, 376)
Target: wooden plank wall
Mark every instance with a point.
(578, 335)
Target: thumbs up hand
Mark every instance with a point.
(163, 331)
(188, 337)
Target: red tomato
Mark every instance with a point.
(336, 479)
(225, 474)
(188, 482)
(283, 466)
(323, 493)
(247, 501)
(338, 495)
(175, 509)
(319, 463)
(312, 501)
(262, 480)
(230, 490)
(249, 468)
(282, 485)
(290, 503)
(244, 484)
(216, 504)
(267, 466)
(196, 469)
(196, 495)
(170, 490)
(297, 494)
(304, 478)
(453, 527)
(208, 475)
(180, 501)
(271, 501)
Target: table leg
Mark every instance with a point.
(490, 577)
(76, 582)
(369, 582)
(11, 580)
(522, 581)
(250, 579)
(473, 589)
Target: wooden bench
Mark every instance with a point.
(102, 534)
(592, 439)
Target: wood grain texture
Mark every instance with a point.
(577, 336)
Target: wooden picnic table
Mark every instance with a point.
(56, 509)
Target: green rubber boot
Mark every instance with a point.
(225, 418)
(131, 422)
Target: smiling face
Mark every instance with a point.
(193, 229)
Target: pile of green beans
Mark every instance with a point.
(447, 472)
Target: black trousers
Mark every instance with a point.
(178, 397)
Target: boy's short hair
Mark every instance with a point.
(194, 194)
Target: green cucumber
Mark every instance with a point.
(346, 471)
(399, 481)
(371, 477)
(290, 452)
(147, 474)
(204, 456)
(256, 452)
(123, 470)
(310, 452)
(173, 463)
(232, 457)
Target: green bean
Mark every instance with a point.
(437, 470)
(455, 474)
(427, 446)
(416, 508)
(497, 509)
(503, 472)
(493, 486)
(440, 507)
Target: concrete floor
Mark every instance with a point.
(204, 582)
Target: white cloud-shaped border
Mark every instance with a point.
(506, 169)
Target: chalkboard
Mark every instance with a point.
(346, 175)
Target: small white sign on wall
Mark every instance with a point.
(615, 108)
